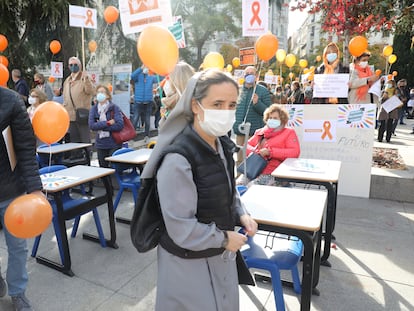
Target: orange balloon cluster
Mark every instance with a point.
(4, 74)
(158, 49)
(266, 46)
(28, 216)
(358, 45)
(111, 14)
(50, 122)
(3, 43)
(55, 46)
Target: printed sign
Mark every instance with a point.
(330, 85)
(56, 69)
(247, 56)
(80, 16)
(255, 15)
(137, 14)
(177, 30)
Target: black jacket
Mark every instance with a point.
(215, 198)
(25, 178)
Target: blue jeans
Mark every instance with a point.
(142, 111)
(16, 276)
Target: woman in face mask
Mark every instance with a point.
(360, 80)
(199, 203)
(41, 84)
(36, 97)
(274, 142)
(105, 117)
(385, 118)
(173, 88)
(331, 65)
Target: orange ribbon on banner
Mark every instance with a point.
(89, 17)
(57, 68)
(255, 11)
(326, 127)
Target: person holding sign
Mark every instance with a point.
(360, 80)
(331, 65)
(388, 114)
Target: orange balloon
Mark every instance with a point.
(111, 14)
(266, 46)
(358, 45)
(4, 60)
(390, 77)
(92, 45)
(52, 79)
(55, 46)
(110, 88)
(318, 58)
(50, 122)
(3, 43)
(378, 72)
(158, 49)
(236, 62)
(4, 74)
(213, 60)
(395, 73)
(28, 216)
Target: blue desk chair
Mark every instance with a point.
(68, 203)
(284, 253)
(127, 177)
(43, 159)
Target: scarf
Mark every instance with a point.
(102, 109)
(362, 91)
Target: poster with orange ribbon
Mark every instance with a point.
(83, 17)
(255, 16)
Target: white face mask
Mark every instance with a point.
(217, 122)
(32, 100)
(363, 64)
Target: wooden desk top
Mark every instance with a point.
(309, 169)
(72, 177)
(286, 207)
(139, 156)
(62, 148)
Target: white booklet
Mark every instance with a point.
(8, 140)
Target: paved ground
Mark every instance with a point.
(372, 264)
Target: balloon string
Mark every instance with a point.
(100, 39)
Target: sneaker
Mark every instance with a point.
(146, 139)
(21, 303)
(3, 287)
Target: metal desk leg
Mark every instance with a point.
(66, 267)
(112, 242)
(330, 219)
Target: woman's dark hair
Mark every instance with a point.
(211, 77)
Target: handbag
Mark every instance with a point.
(127, 132)
(147, 224)
(82, 116)
(255, 164)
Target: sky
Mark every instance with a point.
(296, 19)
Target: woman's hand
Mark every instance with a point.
(264, 152)
(110, 122)
(236, 241)
(249, 224)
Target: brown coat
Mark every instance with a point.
(77, 93)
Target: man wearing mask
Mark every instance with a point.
(20, 85)
(252, 102)
(78, 91)
(143, 97)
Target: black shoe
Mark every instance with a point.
(402, 123)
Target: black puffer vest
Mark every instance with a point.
(215, 198)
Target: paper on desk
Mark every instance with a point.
(8, 140)
(306, 166)
(51, 180)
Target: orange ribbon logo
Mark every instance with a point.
(255, 11)
(89, 17)
(326, 127)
